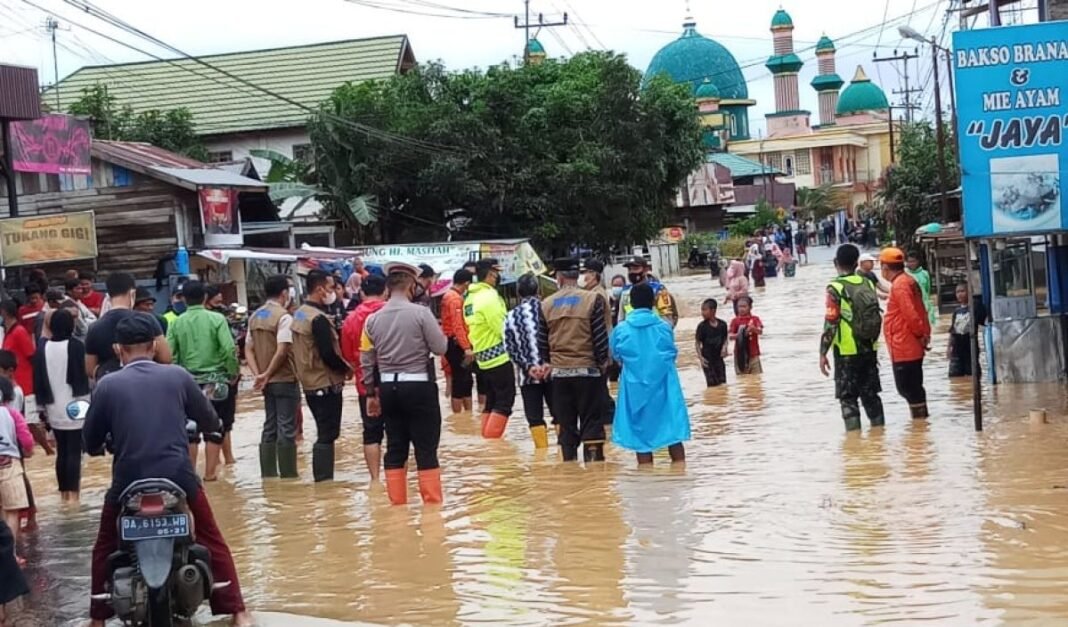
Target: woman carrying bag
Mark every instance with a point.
(59, 371)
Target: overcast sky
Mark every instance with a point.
(212, 26)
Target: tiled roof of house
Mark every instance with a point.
(307, 74)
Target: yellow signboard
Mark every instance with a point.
(47, 239)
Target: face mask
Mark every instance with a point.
(331, 298)
(178, 307)
(617, 292)
(635, 278)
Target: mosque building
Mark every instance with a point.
(849, 148)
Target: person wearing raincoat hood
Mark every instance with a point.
(736, 283)
(650, 412)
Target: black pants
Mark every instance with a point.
(462, 376)
(856, 381)
(68, 459)
(227, 409)
(908, 377)
(325, 406)
(413, 419)
(499, 389)
(577, 403)
(12, 581)
(280, 403)
(716, 372)
(535, 397)
(374, 427)
(608, 404)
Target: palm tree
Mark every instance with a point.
(822, 201)
(289, 178)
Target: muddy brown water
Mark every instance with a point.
(779, 518)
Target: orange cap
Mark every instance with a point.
(891, 255)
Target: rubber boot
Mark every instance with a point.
(852, 423)
(323, 462)
(879, 421)
(919, 412)
(397, 485)
(485, 421)
(287, 460)
(593, 452)
(493, 427)
(540, 435)
(268, 459)
(430, 486)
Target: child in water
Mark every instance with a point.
(960, 336)
(650, 412)
(749, 361)
(712, 344)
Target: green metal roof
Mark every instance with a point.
(781, 19)
(535, 47)
(740, 166)
(784, 63)
(825, 44)
(827, 82)
(692, 58)
(219, 104)
(861, 95)
(707, 90)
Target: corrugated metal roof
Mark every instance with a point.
(740, 166)
(19, 98)
(210, 177)
(169, 166)
(219, 104)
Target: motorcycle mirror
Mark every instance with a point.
(76, 410)
(240, 310)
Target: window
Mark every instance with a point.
(788, 162)
(734, 126)
(802, 163)
(220, 156)
(302, 152)
(775, 161)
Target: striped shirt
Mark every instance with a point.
(521, 337)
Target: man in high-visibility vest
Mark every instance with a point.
(484, 313)
(639, 271)
(856, 358)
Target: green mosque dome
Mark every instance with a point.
(861, 95)
(535, 47)
(825, 44)
(781, 19)
(693, 58)
(707, 90)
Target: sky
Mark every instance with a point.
(637, 28)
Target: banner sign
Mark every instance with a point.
(52, 144)
(517, 258)
(219, 217)
(1012, 104)
(46, 239)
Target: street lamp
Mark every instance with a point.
(908, 32)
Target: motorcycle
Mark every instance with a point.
(237, 318)
(160, 575)
(714, 262)
(698, 258)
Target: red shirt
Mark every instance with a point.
(754, 340)
(28, 317)
(19, 342)
(351, 332)
(94, 301)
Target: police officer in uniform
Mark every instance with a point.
(485, 313)
(394, 347)
(574, 338)
(320, 368)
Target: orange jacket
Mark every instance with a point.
(905, 325)
(351, 332)
(452, 318)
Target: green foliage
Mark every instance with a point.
(291, 178)
(910, 183)
(703, 241)
(822, 201)
(732, 248)
(172, 130)
(565, 152)
(764, 217)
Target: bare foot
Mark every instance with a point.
(231, 461)
(243, 619)
(211, 478)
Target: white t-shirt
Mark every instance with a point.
(285, 330)
(62, 392)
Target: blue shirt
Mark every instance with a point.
(144, 407)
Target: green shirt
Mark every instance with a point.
(201, 342)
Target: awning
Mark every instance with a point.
(741, 209)
(193, 178)
(224, 255)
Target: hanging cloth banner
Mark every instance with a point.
(219, 217)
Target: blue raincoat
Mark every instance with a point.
(650, 412)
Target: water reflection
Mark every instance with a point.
(779, 517)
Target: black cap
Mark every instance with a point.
(426, 271)
(593, 265)
(139, 328)
(54, 296)
(566, 264)
(637, 262)
(488, 263)
(143, 295)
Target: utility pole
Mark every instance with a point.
(52, 25)
(526, 25)
(942, 176)
(906, 93)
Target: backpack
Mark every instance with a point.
(866, 319)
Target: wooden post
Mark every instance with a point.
(9, 170)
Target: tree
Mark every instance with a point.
(911, 186)
(822, 201)
(566, 152)
(172, 130)
(292, 178)
(764, 218)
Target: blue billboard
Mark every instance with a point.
(1012, 110)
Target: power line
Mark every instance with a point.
(442, 10)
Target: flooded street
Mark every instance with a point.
(779, 518)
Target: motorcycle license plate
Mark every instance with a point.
(136, 528)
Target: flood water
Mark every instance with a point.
(779, 518)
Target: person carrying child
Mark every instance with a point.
(746, 325)
(711, 342)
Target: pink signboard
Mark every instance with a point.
(51, 144)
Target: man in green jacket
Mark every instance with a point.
(484, 313)
(201, 342)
